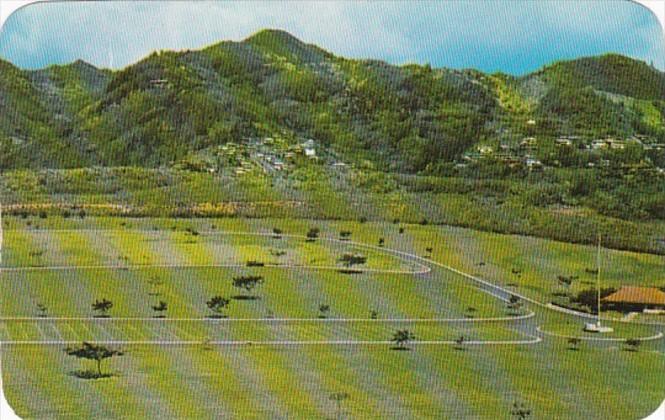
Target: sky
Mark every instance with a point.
(514, 37)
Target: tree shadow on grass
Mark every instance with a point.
(400, 348)
(89, 374)
(349, 271)
(244, 297)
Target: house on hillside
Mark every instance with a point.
(616, 144)
(564, 141)
(310, 153)
(528, 143)
(309, 148)
(159, 82)
(633, 299)
(599, 144)
(532, 163)
(485, 150)
(608, 143)
(654, 146)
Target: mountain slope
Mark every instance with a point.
(609, 73)
(588, 96)
(403, 118)
(32, 131)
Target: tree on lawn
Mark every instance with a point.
(247, 283)
(401, 338)
(42, 310)
(350, 260)
(339, 397)
(312, 234)
(324, 310)
(514, 303)
(154, 283)
(459, 342)
(102, 307)
(93, 352)
(277, 232)
(192, 231)
(633, 344)
(566, 281)
(520, 411)
(589, 297)
(160, 308)
(277, 252)
(382, 241)
(217, 305)
(345, 235)
(574, 343)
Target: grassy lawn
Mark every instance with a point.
(259, 382)
(279, 381)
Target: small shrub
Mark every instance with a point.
(633, 344)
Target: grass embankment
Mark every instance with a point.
(315, 191)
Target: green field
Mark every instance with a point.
(275, 354)
(277, 227)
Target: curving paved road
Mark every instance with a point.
(524, 325)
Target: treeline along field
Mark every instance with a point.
(496, 205)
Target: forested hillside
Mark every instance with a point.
(408, 118)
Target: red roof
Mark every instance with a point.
(640, 295)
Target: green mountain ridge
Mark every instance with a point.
(403, 118)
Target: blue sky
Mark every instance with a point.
(510, 36)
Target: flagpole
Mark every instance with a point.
(598, 278)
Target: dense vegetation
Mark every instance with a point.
(401, 117)
(185, 134)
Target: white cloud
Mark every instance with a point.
(490, 35)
